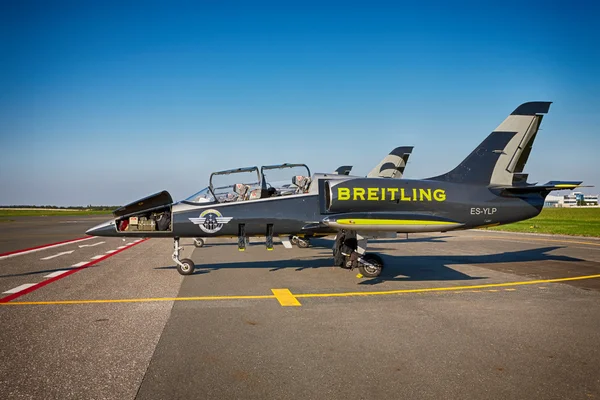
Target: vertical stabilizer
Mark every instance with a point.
(504, 152)
(344, 170)
(393, 165)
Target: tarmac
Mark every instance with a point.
(470, 315)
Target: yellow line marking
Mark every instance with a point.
(285, 297)
(471, 288)
(493, 290)
(510, 290)
(512, 239)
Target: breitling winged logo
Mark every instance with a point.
(211, 221)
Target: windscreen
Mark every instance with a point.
(203, 196)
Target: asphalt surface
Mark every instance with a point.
(27, 232)
(465, 315)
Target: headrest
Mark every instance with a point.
(240, 189)
(255, 194)
(298, 180)
(301, 181)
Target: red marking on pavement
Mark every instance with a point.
(45, 245)
(70, 272)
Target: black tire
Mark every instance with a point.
(294, 240)
(371, 272)
(189, 264)
(338, 257)
(303, 244)
(199, 242)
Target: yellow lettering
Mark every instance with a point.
(382, 193)
(439, 195)
(372, 193)
(343, 194)
(415, 194)
(425, 194)
(402, 196)
(359, 192)
(392, 192)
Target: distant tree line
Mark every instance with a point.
(88, 207)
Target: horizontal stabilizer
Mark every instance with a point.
(547, 187)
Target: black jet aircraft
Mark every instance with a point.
(487, 188)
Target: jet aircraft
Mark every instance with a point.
(487, 188)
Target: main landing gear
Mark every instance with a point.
(185, 266)
(300, 242)
(349, 252)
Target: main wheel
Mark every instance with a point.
(294, 240)
(188, 267)
(303, 244)
(375, 270)
(199, 242)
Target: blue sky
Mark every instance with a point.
(106, 102)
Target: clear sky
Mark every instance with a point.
(106, 102)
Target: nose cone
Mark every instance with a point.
(107, 228)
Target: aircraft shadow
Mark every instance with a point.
(400, 268)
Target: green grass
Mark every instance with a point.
(43, 213)
(560, 221)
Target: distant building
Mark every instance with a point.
(574, 199)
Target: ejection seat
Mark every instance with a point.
(302, 183)
(254, 194)
(240, 189)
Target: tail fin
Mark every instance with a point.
(502, 156)
(344, 170)
(393, 165)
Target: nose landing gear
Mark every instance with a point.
(184, 266)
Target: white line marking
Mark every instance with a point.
(129, 244)
(110, 251)
(19, 288)
(79, 264)
(97, 257)
(121, 247)
(52, 275)
(57, 255)
(43, 248)
(286, 243)
(91, 245)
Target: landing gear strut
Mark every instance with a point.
(349, 252)
(185, 266)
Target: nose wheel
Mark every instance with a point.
(185, 266)
(199, 242)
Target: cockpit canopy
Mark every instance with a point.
(249, 183)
